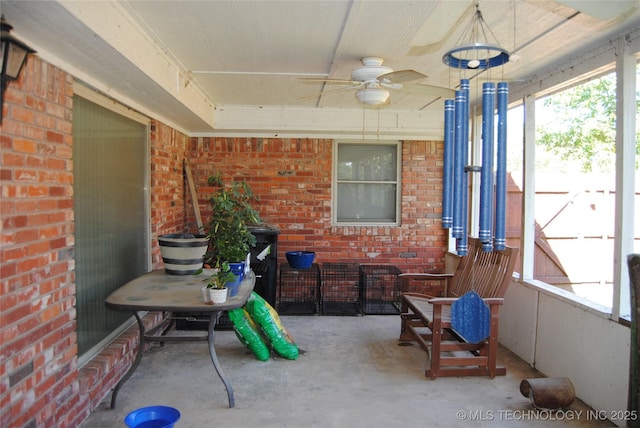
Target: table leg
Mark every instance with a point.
(214, 358)
(133, 367)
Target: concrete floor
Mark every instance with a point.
(351, 373)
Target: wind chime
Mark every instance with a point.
(476, 53)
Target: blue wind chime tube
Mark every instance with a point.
(458, 165)
(447, 175)
(462, 245)
(500, 240)
(485, 224)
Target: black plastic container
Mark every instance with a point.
(264, 261)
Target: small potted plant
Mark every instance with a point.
(231, 216)
(216, 290)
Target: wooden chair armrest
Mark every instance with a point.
(414, 294)
(442, 301)
(449, 300)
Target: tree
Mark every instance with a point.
(581, 124)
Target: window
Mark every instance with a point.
(573, 198)
(575, 193)
(366, 183)
(111, 212)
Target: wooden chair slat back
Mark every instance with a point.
(486, 273)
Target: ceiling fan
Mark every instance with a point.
(373, 80)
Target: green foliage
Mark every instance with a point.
(582, 125)
(232, 213)
(222, 276)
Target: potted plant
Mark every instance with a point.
(216, 290)
(229, 236)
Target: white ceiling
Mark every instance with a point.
(214, 67)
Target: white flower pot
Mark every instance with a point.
(216, 295)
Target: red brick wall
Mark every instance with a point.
(167, 184)
(40, 382)
(292, 178)
(38, 349)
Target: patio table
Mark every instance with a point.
(158, 291)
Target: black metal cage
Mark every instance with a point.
(340, 289)
(380, 289)
(299, 290)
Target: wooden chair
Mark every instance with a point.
(426, 318)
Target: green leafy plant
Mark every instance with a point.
(578, 125)
(221, 277)
(232, 213)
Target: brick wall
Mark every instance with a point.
(38, 350)
(40, 381)
(292, 178)
(167, 184)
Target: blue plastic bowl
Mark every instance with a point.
(300, 259)
(152, 417)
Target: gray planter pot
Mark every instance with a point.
(183, 254)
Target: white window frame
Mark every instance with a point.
(625, 66)
(398, 183)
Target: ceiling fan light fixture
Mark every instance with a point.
(372, 96)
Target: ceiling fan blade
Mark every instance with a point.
(434, 91)
(401, 76)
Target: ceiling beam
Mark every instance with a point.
(277, 122)
(133, 43)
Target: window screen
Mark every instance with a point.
(110, 204)
(366, 183)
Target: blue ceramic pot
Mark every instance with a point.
(237, 268)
